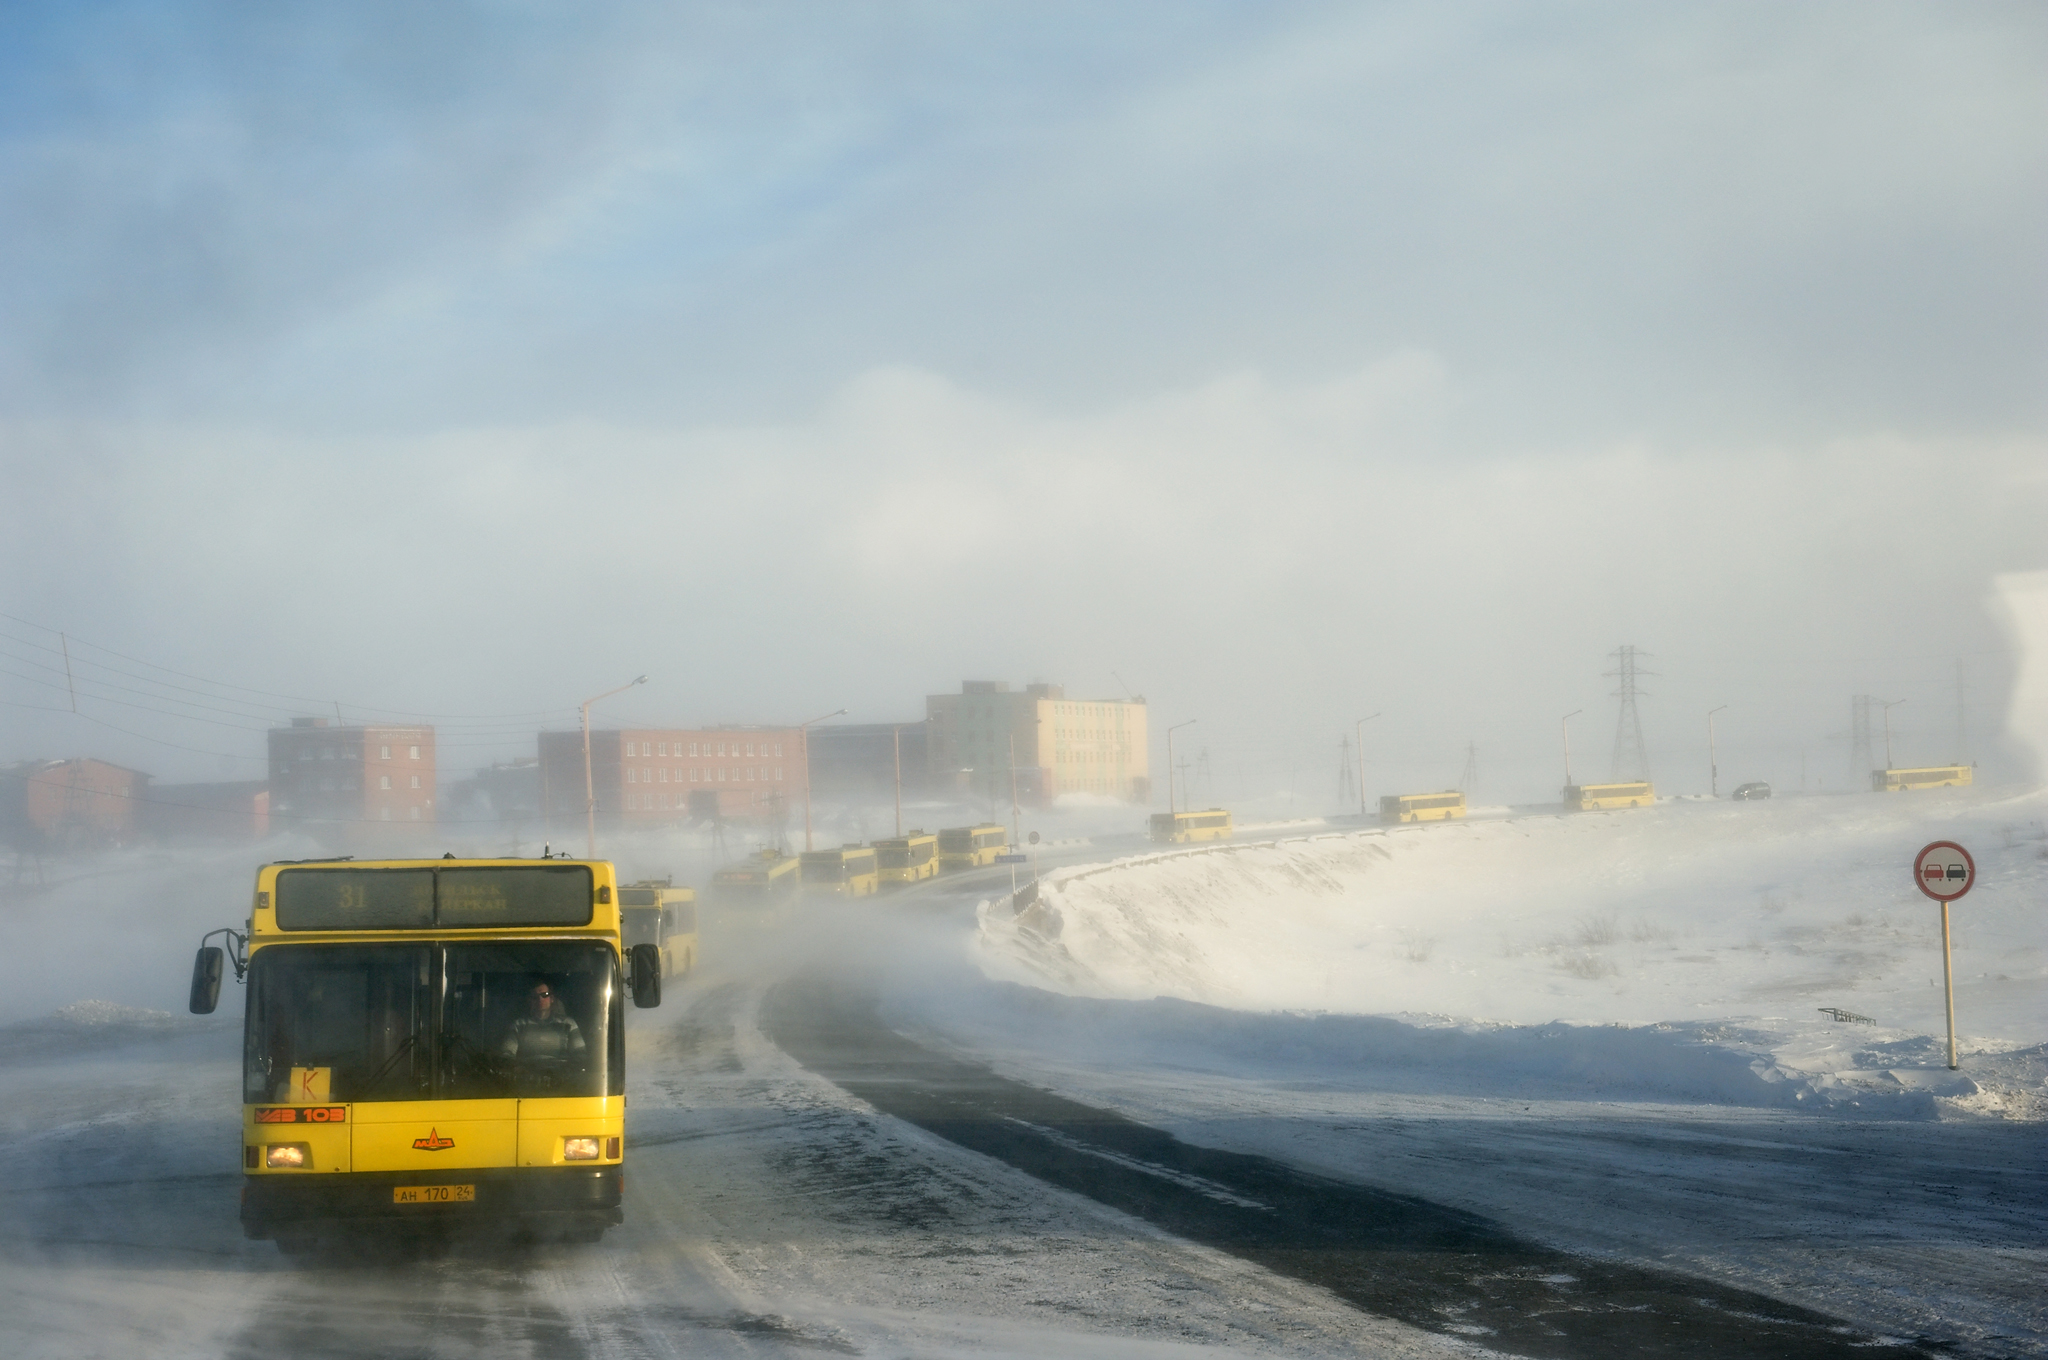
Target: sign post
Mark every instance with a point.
(1945, 871)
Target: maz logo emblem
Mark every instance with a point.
(433, 1142)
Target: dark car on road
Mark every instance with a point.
(1757, 789)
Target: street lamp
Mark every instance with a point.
(1713, 758)
(1888, 707)
(803, 737)
(1565, 723)
(589, 788)
(1358, 729)
(1170, 807)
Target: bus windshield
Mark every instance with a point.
(639, 925)
(434, 1021)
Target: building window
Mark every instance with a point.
(778, 774)
(633, 801)
(693, 774)
(629, 748)
(721, 774)
(750, 749)
(384, 781)
(414, 752)
(415, 781)
(750, 774)
(383, 753)
(661, 748)
(662, 774)
(693, 750)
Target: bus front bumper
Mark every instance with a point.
(574, 1196)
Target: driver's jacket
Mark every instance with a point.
(555, 1037)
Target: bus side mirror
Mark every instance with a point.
(206, 972)
(643, 962)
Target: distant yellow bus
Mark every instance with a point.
(656, 912)
(1177, 828)
(909, 859)
(971, 847)
(1926, 777)
(1591, 797)
(1422, 807)
(758, 880)
(849, 871)
(431, 1041)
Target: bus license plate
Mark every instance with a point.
(433, 1194)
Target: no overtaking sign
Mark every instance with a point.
(1944, 871)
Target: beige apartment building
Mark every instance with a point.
(1060, 745)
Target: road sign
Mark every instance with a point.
(1013, 859)
(1944, 871)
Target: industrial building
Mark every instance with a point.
(329, 777)
(650, 776)
(981, 738)
(859, 762)
(70, 804)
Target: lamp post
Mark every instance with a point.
(589, 787)
(803, 737)
(1713, 757)
(1358, 730)
(1171, 808)
(1565, 724)
(1888, 707)
(896, 736)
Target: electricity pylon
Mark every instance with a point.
(1631, 756)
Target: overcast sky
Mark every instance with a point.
(1290, 362)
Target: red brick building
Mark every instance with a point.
(325, 777)
(652, 776)
(57, 804)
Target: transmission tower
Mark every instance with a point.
(1347, 778)
(1861, 759)
(1468, 782)
(1631, 756)
(1962, 722)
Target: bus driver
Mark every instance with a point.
(546, 1033)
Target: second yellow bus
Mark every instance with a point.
(1592, 797)
(1422, 807)
(1179, 828)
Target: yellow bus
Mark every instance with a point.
(1590, 797)
(656, 912)
(1174, 828)
(909, 859)
(1926, 777)
(760, 879)
(1422, 807)
(436, 1042)
(849, 871)
(971, 847)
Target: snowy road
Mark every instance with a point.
(982, 1168)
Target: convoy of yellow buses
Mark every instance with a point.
(656, 912)
(908, 859)
(972, 847)
(764, 879)
(1179, 828)
(1925, 777)
(1422, 807)
(432, 1040)
(849, 871)
(1592, 797)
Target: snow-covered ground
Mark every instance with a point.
(1684, 950)
(1602, 1030)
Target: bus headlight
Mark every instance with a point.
(579, 1149)
(287, 1154)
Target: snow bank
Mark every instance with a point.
(1682, 951)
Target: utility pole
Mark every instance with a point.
(72, 685)
(803, 739)
(1565, 723)
(1359, 729)
(1962, 731)
(1888, 707)
(1630, 754)
(1713, 756)
(896, 735)
(1016, 813)
(1171, 807)
(589, 788)
(1469, 780)
(1344, 778)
